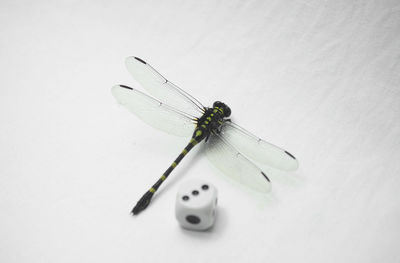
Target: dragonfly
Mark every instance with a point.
(229, 147)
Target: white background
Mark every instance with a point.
(319, 78)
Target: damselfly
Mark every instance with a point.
(228, 146)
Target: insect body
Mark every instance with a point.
(213, 118)
(207, 124)
(227, 143)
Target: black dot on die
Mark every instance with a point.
(185, 198)
(195, 192)
(204, 187)
(193, 219)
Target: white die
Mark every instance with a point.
(196, 204)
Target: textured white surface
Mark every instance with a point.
(319, 78)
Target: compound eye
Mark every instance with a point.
(217, 104)
(227, 111)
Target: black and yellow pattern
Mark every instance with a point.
(145, 200)
(211, 120)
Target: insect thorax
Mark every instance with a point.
(213, 118)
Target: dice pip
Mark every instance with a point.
(196, 205)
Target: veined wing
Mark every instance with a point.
(258, 149)
(161, 88)
(236, 166)
(154, 112)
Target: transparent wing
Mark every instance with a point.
(161, 88)
(258, 149)
(236, 166)
(154, 112)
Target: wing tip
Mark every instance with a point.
(295, 165)
(116, 87)
(265, 176)
(291, 155)
(140, 60)
(267, 187)
(125, 87)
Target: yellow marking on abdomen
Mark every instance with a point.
(184, 152)
(173, 165)
(193, 142)
(164, 177)
(152, 190)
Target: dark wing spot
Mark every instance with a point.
(265, 176)
(141, 60)
(290, 155)
(126, 87)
